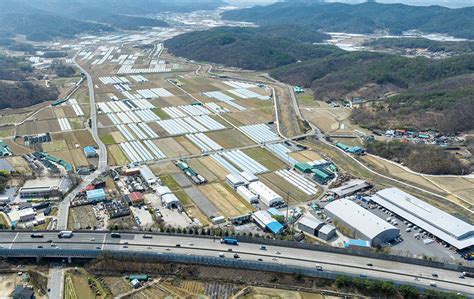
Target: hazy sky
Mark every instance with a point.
(448, 3)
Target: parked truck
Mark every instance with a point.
(229, 241)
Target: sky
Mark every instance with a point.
(448, 3)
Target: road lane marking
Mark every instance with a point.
(13, 241)
(103, 242)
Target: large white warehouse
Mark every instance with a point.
(266, 195)
(361, 222)
(444, 226)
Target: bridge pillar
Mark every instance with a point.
(38, 259)
(69, 259)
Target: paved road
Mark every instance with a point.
(333, 262)
(56, 282)
(63, 209)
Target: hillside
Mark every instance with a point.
(464, 47)
(251, 48)
(361, 18)
(43, 20)
(17, 93)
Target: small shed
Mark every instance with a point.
(90, 152)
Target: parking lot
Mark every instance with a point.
(142, 217)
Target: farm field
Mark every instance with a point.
(75, 139)
(463, 187)
(228, 202)
(7, 131)
(55, 145)
(38, 127)
(244, 118)
(265, 158)
(19, 164)
(261, 293)
(175, 147)
(230, 138)
(281, 186)
(12, 118)
(118, 157)
(306, 156)
(77, 286)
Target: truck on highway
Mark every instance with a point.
(65, 234)
(229, 241)
(36, 235)
(468, 274)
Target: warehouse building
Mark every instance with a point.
(444, 226)
(246, 194)
(266, 195)
(134, 198)
(96, 195)
(25, 215)
(249, 177)
(310, 225)
(350, 188)
(235, 180)
(148, 175)
(170, 201)
(266, 222)
(327, 232)
(316, 227)
(42, 188)
(90, 152)
(361, 223)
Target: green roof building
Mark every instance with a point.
(303, 167)
(342, 146)
(5, 150)
(321, 176)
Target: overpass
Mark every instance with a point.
(205, 250)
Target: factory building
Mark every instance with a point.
(444, 226)
(266, 195)
(266, 221)
(25, 215)
(350, 188)
(327, 232)
(361, 223)
(134, 198)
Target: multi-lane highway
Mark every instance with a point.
(209, 247)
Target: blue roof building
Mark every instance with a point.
(274, 212)
(266, 221)
(356, 243)
(90, 152)
(96, 195)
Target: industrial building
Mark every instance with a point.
(148, 175)
(350, 188)
(162, 190)
(266, 195)
(96, 195)
(5, 150)
(327, 232)
(316, 227)
(134, 198)
(90, 152)
(41, 188)
(444, 226)
(116, 209)
(25, 215)
(246, 194)
(361, 223)
(170, 201)
(235, 180)
(266, 221)
(310, 225)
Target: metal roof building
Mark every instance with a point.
(96, 195)
(148, 175)
(265, 220)
(350, 188)
(361, 222)
(444, 226)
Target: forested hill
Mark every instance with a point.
(16, 93)
(251, 48)
(43, 20)
(362, 18)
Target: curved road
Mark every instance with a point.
(191, 245)
(63, 209)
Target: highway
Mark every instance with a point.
(210, 247)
